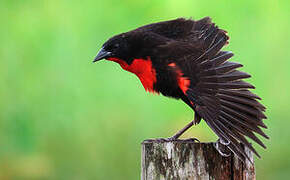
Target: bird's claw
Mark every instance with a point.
(222, 148)
(172, 139)
(192, 139)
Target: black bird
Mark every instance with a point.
(182, 59)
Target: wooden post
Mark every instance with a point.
(191, 160)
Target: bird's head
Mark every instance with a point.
(129, 46)
(116, 47)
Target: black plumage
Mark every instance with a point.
(182, 58)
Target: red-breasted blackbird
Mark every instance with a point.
(182, 59)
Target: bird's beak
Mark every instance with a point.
(102, 54)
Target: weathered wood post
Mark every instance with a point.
(191, 160)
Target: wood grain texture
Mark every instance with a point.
(190, 160)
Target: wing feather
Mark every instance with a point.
(221, 96)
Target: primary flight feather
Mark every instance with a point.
(182, 59)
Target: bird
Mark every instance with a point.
(183, 59)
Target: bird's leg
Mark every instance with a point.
(195, 121)
(177, 135)
(180, 132)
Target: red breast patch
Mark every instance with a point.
(143, 69)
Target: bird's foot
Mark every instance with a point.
(192, 139)
(221, 147)
(172, 139)
(161, 139)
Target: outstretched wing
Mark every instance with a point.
(200, 33)
(222, 98)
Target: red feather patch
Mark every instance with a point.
(183, 82)
(143, 69)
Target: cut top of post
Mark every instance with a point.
(189, 160)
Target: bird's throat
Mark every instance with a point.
(143, 69)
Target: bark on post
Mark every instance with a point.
(191, 160)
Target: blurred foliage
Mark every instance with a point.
(62, 117)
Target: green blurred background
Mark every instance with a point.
(63, 117)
